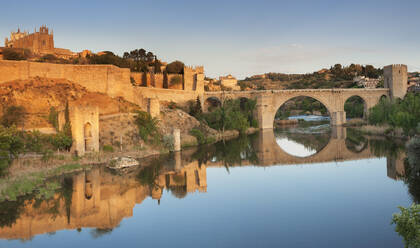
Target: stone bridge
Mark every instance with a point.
(269, 101)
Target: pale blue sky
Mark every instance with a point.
(238, 37)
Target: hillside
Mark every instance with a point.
(38, 95)
(335, 77)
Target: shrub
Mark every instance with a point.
(176, 67)
(11, 142)
(62, 141)
(408, 225)
(397, 113)
(14, 115)
(108, 148)
(35, 141)
(168, 142)
(201, 139)
(175, 80)
(148, 127)
(15, 54)
(172, 105)
(195, 108)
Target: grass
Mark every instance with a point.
(13, 188)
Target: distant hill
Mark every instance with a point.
(336, 76)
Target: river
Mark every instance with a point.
(311, 186)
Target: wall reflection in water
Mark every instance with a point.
(100, 198)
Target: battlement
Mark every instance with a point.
(396, 66)
(194, 69)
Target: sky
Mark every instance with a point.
(241, 38)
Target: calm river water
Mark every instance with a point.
(295, 187)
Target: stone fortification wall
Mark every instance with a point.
(156, 80)
(180, 97)
(107, 79)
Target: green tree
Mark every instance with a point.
(14, 115)
(408, 225)
(148, 127)
(176, 67)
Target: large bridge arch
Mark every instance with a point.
(279, 102)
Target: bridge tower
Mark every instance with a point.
(395, 78)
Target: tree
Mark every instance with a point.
(157, 66)
(176, 80)
(195, 108)
(14, 115)
(150, 57)
(176, 67)
(408, 225)
(15, 54)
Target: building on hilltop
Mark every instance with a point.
(229, 81)
(415, 88)
(366, 82)
(40, 42)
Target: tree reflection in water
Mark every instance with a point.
(412, 170)
(231, 153)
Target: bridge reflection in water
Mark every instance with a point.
(100, 199)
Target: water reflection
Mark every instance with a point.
(301, 141)
(101, 199)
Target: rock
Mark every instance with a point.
(122, 163)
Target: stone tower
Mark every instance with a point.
(395, 78)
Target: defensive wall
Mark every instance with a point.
(110, 80)
(107, 79)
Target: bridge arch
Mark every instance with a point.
(280, 101)
(352, 104)
(211, 102)
(303, 98)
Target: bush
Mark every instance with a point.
(201, 139)
(172, 105)
(397, 113)
(176, 67)
(195, 108)
(175, 80)
(35, 141)
(11, 142)
(108, 148)
(15, 54)
(148, 127)
(14, 115)
(408, 225)
(168, 142)
(62, 141)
